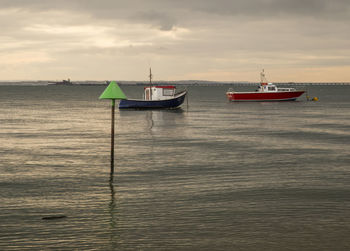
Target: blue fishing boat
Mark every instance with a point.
(156, 97)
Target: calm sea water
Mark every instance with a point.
(211, 176)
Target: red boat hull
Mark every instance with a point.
(264, 96)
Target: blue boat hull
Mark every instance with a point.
(153, 104)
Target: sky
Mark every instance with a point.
(221, 40)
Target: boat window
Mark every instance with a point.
(168, 92)
(271, 88)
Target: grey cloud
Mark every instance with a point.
(163, 21)
(221, 33)
(132, 11)
(162, 8)
(271, 8)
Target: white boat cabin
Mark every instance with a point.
(269, 87)
(159, 92)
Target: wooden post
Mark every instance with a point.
(112, 92)
(112, 137)
(187, 99)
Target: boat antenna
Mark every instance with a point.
(262, 77)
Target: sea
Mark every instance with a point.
(211, 175)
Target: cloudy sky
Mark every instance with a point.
(223, 40)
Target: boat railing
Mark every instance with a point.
(180, 93)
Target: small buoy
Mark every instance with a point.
(53, 217)
(315, 99)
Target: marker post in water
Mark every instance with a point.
(112, 92)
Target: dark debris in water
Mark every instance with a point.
(54, 217)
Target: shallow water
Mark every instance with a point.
(211, 176)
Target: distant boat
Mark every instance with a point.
(156, 97)
(63, 82)
(265, 92)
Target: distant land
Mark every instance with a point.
(161, 82)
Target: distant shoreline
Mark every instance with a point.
(145, 83)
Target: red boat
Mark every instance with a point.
(265, 92)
